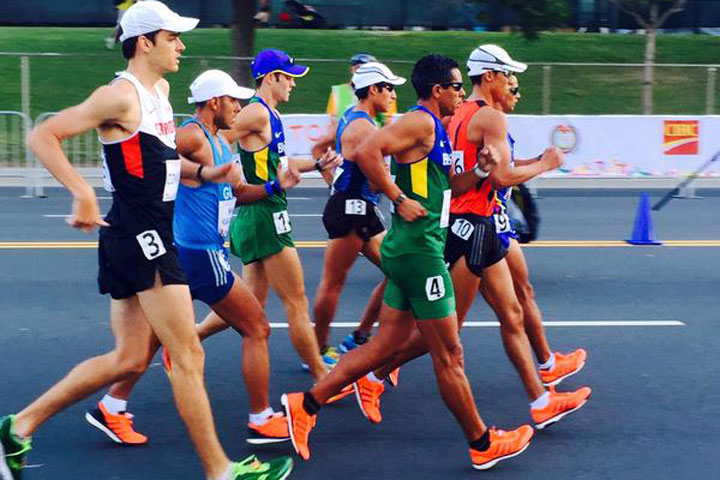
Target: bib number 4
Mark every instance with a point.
(435, 288)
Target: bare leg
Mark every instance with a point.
(210, 325)
(502, 299)
(340, 255)
(526, 295)
(169, 311)
(443, 341)
(284, 272)
(241, 310)
(465, 284)
(122, 389)
(371, 250)
(395, 326)
(257, 282)
(133, 347)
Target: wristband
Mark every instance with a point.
(400, 198)
(317, 165)
(198, 174)
(269, 189)
(276, 188)
(480, 173)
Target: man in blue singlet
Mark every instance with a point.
(351, 217)
(202, 217)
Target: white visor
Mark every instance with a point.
(372, 73)
(149, 16)
(216, 83)
(487, 58)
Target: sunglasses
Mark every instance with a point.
(457, 86)
(515, 91)
(388, 86)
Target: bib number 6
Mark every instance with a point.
(151, 244)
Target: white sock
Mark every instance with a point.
(542, 401)
(550, 362)
(373, 378)
(262, 417)
(225, 476)
(114, 405)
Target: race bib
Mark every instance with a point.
(225, 213)
(354, 206)
(458, 162)
(107, 181)
(172, 180)
(502, 223)
(392, 205)
(284, 163)
(445, 212)
(223, 261)
(462, 228)
(435, 288)
(282, 222)
(151, 244)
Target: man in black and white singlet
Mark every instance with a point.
(138, 263)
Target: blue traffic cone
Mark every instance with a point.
(643, 233)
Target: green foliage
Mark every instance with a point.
(535, 16)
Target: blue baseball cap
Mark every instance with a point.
(271, 60)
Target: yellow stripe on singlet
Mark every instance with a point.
(418, 178)
(261, 163)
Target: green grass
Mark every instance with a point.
(59, 82)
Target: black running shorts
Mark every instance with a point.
(474, 237)
(346, 213)
(128, 264)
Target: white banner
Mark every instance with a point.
(596, 145)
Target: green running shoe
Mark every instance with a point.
(12, 450)
(253, 469)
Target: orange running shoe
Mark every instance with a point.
(560, 404)
(300, 423)
(118, 427)
(275, 430)
(394, 377)
(368, 394)
(166, 362)
(348, 390)
(565, 366)
(503, 445)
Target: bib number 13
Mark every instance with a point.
(282, 222)
(151, 244)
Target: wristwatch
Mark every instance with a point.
(399, 199)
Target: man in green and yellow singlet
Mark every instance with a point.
(261, 234)
(419, 293)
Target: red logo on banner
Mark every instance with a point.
(681, 137)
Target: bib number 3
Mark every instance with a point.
(282, 222)
(151, 244)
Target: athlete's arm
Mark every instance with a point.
(253, 119)
(246, 193)
(107, 106)
(463, 182)
(327, 161)
(494, 132)
(405, 135)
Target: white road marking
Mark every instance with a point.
(588, 323)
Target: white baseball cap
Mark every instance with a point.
(372, 73)
(216, 83)
(149, 16)
(487, 58)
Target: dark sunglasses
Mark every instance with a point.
(515, 91)
(388, 86)
(457, 86)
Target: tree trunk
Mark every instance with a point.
(243, 39)
(650, 43)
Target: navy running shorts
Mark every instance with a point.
(208, 271)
